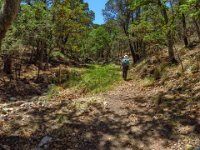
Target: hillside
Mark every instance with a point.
(137, 114)
(106, 75)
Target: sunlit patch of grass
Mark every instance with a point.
(53, 91)
(148, 81)
(100, 78)
(94, 79)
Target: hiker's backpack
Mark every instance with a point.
(125, 62)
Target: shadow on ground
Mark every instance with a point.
(139, 124)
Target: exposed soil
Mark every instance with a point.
(129, 117)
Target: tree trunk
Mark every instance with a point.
(170, 44)
(197, 28)
(169, 35)
(7, 15)
(7, 64)
(134, 56)
(184, 34)
(184, 31)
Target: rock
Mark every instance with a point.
(13, 99)
(8, 109)
(169, 97)
(3, 117)
(105, 104)
(189, 147)
(26, 106)
(45, 140)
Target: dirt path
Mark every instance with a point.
(127, 118)
(131, 110)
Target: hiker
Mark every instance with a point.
(125, 66)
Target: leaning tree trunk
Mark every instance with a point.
(169, 36)
(7, 15)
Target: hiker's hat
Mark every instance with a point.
(126, 56)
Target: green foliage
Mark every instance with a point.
(192, 7)
(11, 44)
(71, 24)
(98, 42)
(44, 27)
(1, 3)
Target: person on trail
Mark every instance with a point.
(125, 66)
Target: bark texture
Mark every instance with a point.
(8, 13)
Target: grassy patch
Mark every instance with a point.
(53, 91)
(94, 79)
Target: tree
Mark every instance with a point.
(7, 15)
(121, 11)
(169, 34)
(99, 43)
(183, 19)
(72, 20)
(46, 27)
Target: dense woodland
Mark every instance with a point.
(46, 30)
(50, 51)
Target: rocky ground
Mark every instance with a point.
(129, 117)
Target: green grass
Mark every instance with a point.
(148, 81)
(94, 79)
(53, 91)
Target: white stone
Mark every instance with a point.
(45, 140)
